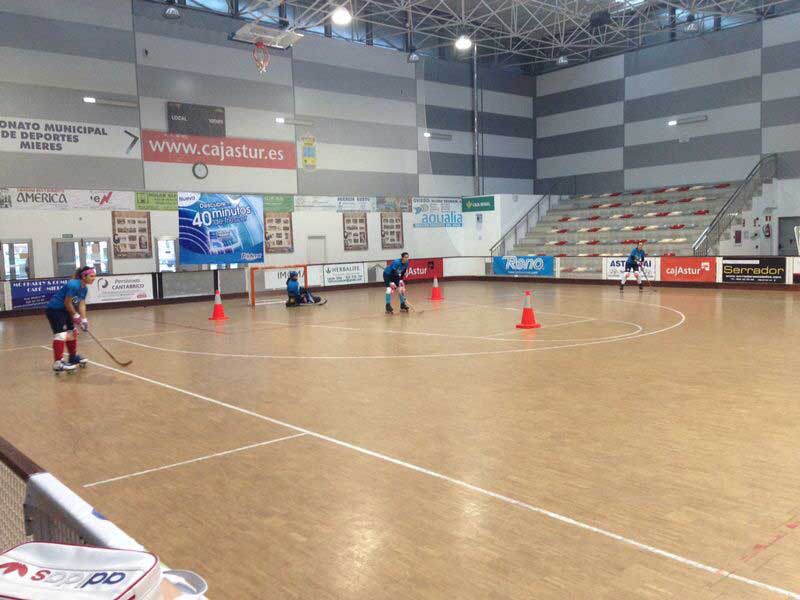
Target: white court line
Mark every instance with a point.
(193, 460)
(474, 488)
(337, 327)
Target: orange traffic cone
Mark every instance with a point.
(528, 318)
(219, 311)
(436, 293)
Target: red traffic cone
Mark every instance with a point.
(219, 311)
(528, 318)
(436, 293)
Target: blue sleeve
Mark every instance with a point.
(74, 290)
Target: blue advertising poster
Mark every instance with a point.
(543, 266)
(34, 293)
(220, 228)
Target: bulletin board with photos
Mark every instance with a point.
(355, 230)
(131, 234)
(391, 230)
(278, 232)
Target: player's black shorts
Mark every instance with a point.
(388, 279)
(631, 267)
(60, 320)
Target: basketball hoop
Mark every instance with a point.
(261, 56)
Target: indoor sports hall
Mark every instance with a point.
(377, 300)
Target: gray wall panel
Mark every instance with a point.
(780, 58)
(352, 81)
(789, 165)
(357, 133)
(350, 183)
(69, 172)
(505, 125)
(182, 86)
(106, 13)
(43, 102)
(785, 111)
(710, 147)
(443, 163)
(583, 141)
(728, 93)
(720, 43)
(62, 37)
(430, 69)
(585, 97)
(507, 168)
(596, 183)
(439, 117)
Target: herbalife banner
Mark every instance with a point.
(55, 199)
(437, 212)
(41, 136)
(220, 228)
(344, 274)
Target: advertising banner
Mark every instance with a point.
(195, 119)
(156, 200)
(796, 273)
(542, 266)
(131, 234)
(278, 203)
(57, 199)
(120, 288)
(422, 268)
(35, 293)
(275, 279)
(477, 204)
(355, 204)
(316, 203)
(613, 268)
(754, 270)
(679, 268)
(44, 136)
(344, 274)
(437, 212)
(227, 152)
(393, 204)
(220, 228)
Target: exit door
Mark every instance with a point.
(16, 259)
(787, 241)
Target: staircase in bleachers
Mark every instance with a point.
(669, 220)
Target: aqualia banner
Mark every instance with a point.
(542, 266)
(220, 228)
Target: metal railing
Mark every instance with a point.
(740, 200)
(527, 222)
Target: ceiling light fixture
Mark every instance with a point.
(463, 43)
(341, 16)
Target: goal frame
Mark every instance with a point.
(254, 269)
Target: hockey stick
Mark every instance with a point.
(649, 283)
(104, 349)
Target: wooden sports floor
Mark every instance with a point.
(643, 446)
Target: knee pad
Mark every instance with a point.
(389, 290)
(60, 337)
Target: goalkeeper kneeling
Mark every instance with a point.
(298, 295)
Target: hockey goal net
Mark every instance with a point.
(268, 283)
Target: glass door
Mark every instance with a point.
(66, 257)
(97, 254)
(17, 259)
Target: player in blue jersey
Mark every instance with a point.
(394, 280)
(298, 294)
(634, 264)
(66, 313)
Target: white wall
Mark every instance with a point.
(42, 226)
(781, 198)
